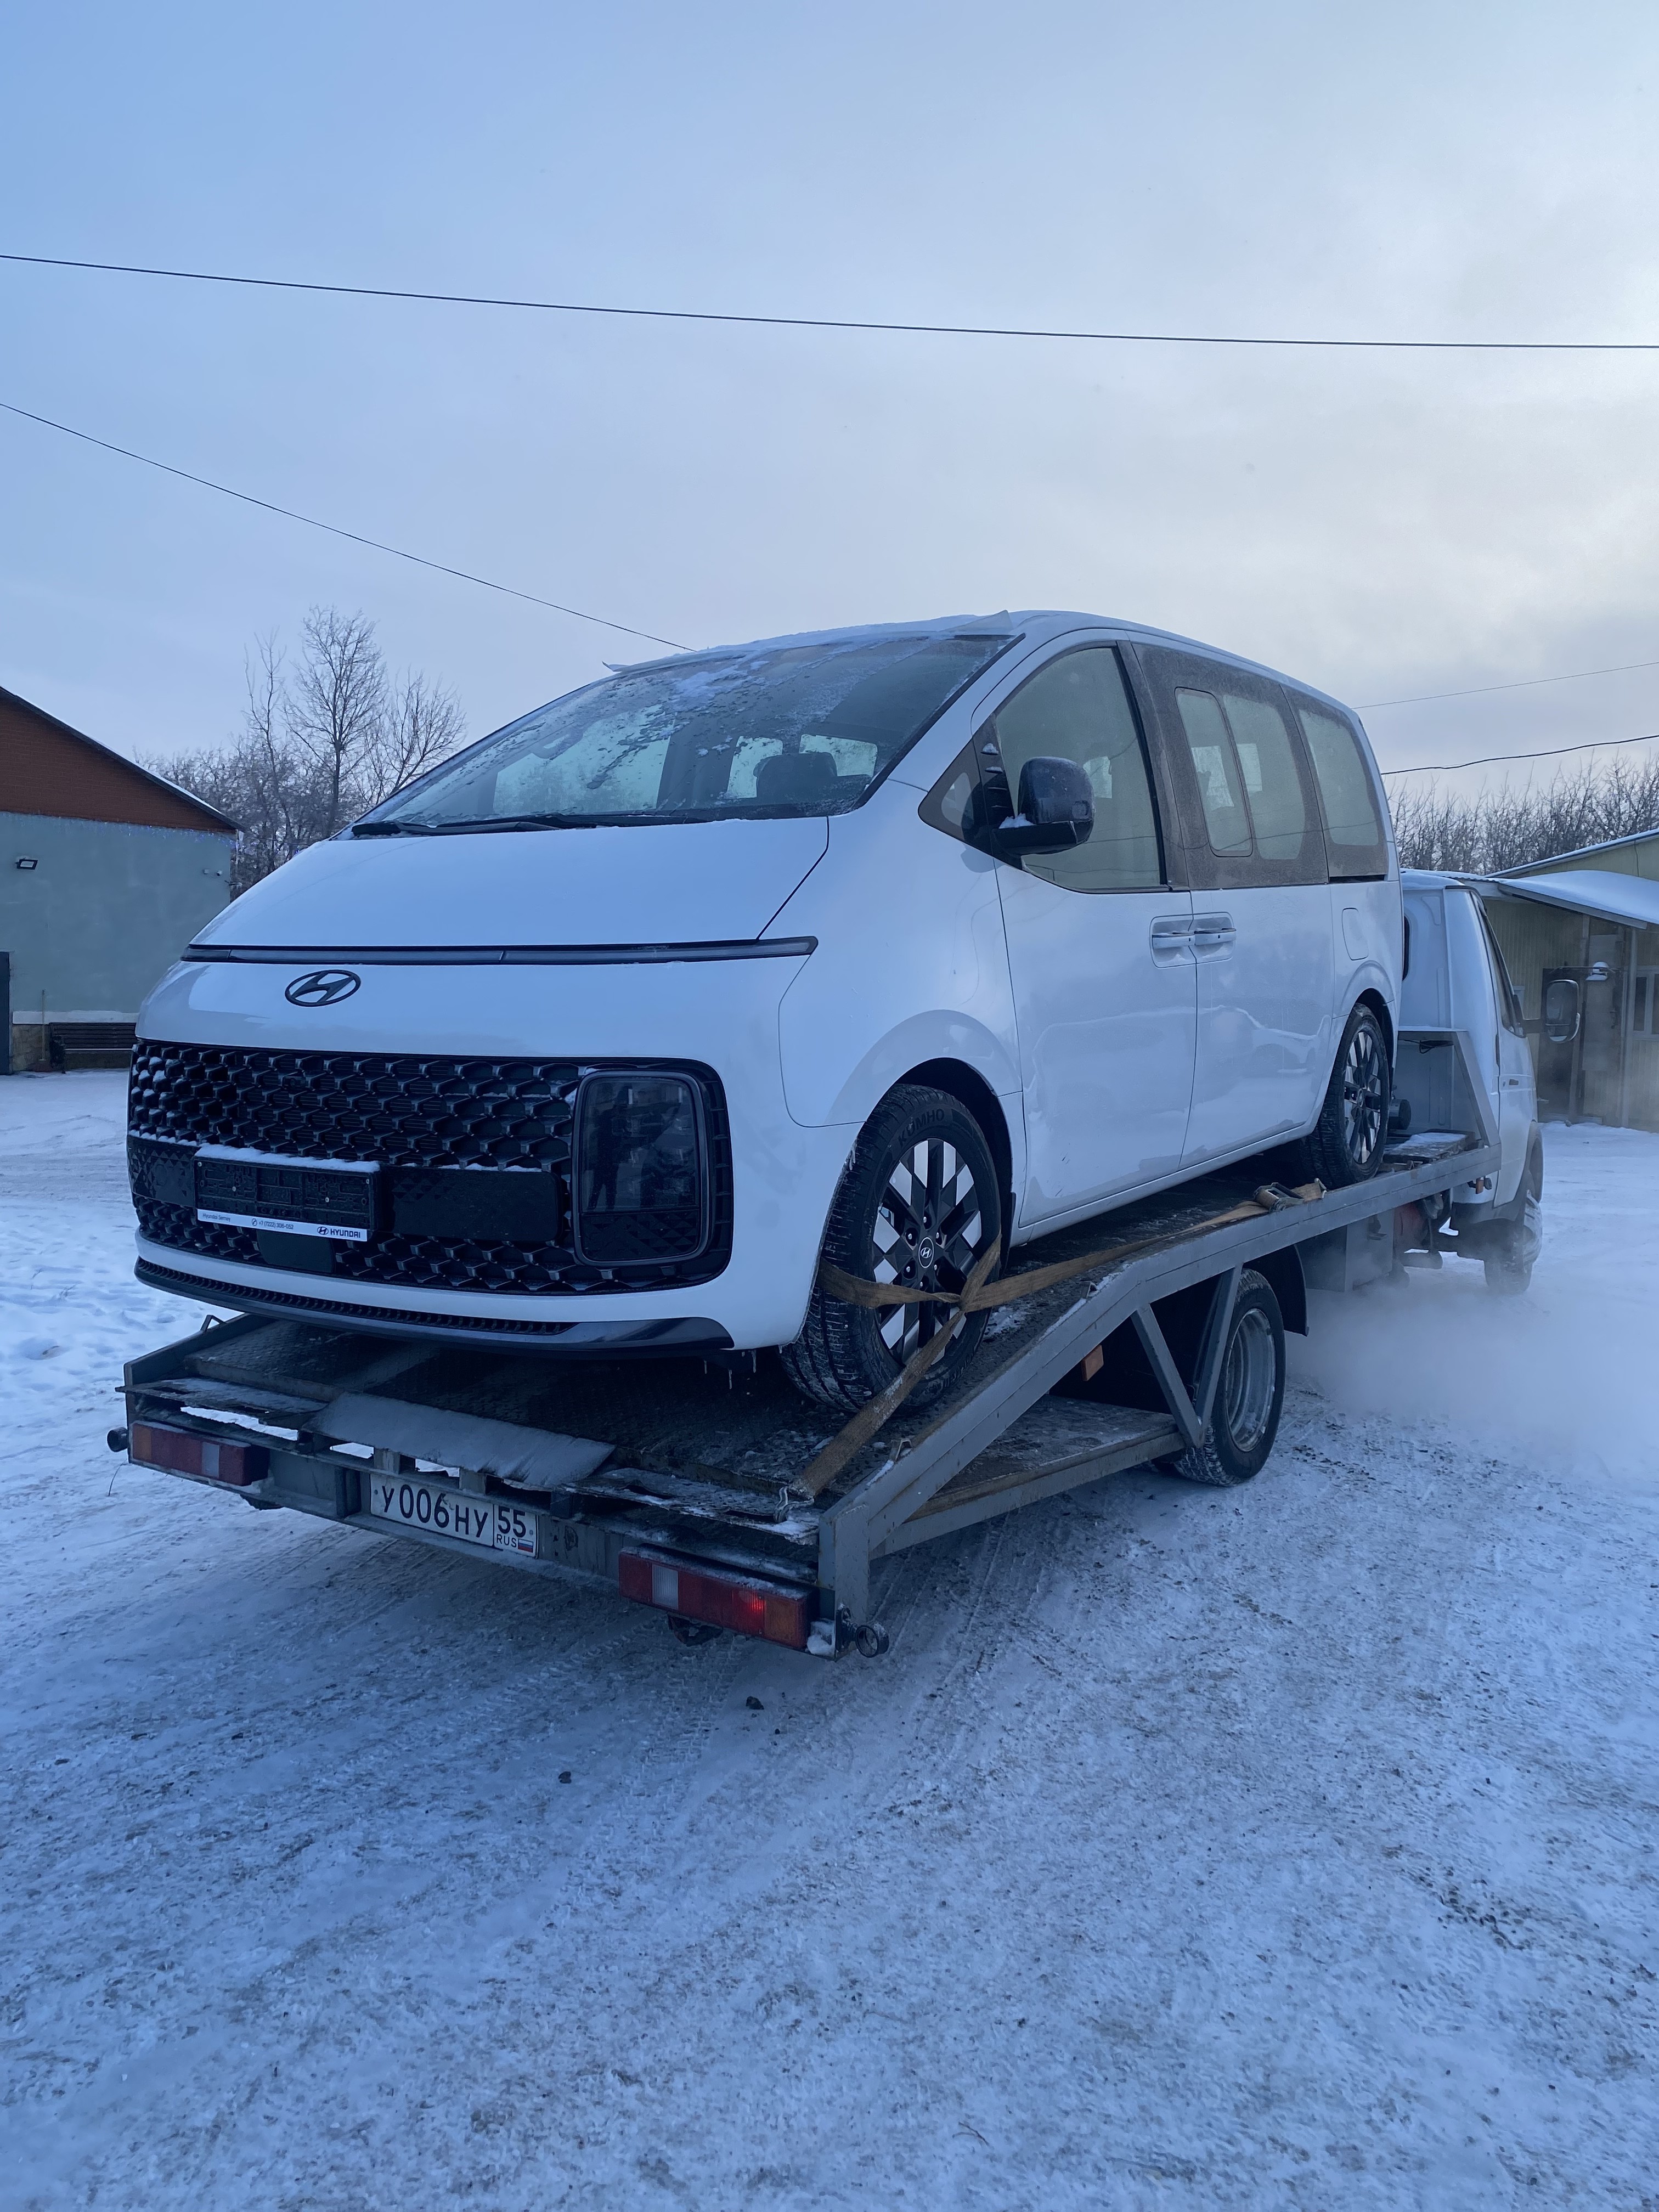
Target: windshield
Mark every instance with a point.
(779, 730)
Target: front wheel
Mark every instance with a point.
(1347, 1139)
(917, 1206)
(1508, 1273)
(1249, 1396)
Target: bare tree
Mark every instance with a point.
(337, 710)
(319, 745)
(1503, 827)
(422, 725)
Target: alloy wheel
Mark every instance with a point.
(925, 1236)
(1364, 1095)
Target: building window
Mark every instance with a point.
(1644, 1013)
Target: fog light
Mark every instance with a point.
(641, 1180)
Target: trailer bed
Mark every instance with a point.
(641, 1475)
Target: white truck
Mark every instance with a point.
(709, 1489)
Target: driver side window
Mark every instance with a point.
(1079, 709)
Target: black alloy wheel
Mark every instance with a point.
(1347, 1140)
(918, 1204)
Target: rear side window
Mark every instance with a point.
(1353, 832)
(1273, 789)
(1078, 707)
(1219, 787)
(1248, 779)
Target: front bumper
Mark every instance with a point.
(684, 1336)
(723, 1017)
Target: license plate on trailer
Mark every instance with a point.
(492, 1523)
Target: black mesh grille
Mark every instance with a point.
(411, 1115)
(349, 1106)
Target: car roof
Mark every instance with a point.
(1036, 624)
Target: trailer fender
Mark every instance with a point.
(1283, 1269)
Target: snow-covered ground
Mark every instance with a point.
(1289, 1846)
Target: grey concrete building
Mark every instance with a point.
(105, 874)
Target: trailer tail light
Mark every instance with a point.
(181, 1452)
(734, 1602)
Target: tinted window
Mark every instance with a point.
(1273, 789)
(950, 804)
(1218, 783)
(799, 729)
(1353, 834)
(1078, 708)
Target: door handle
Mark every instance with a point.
(1171, 937)
(1214, 933)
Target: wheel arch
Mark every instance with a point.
(969, 1087)
(1371, 997)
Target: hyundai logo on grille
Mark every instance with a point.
(323, 987)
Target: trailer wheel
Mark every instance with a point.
(1249, 1396)
(918, 1204)
(1347, 1139)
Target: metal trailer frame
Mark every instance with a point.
(1000, 1441)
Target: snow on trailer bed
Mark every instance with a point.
(715, 1492)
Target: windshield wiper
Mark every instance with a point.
(469, 822)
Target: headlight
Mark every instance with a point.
(641, 1178)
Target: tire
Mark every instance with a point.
(1508, 1273)
(1347, 1140)
(1250, 1394)
(918, 1203)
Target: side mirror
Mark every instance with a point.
(1561, 1011)
(1056, 809)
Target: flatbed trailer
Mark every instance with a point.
(688, 1484)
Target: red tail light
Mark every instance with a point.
(734, 1602)
(180, 1451)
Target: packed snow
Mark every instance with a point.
(1288, 1846)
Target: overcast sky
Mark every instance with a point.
(1381, 526)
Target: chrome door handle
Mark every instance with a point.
(1214, 933)
(1171, 935)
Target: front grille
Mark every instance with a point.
(433, 1125)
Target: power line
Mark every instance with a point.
(845, 322)
(1522, 684)
(1492, 760)
(377, 544)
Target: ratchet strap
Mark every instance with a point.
(979, 1294)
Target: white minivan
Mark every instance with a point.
(871, 946)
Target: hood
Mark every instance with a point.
(657, 883)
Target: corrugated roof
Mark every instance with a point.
(1631, 900)
(1583, 852)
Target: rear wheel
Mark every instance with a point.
(917, 1206)
(1509, 1272)
(1347, 1139)
(1249, 1396)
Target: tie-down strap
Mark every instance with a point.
(979, 1294)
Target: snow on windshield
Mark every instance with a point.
(781, 730)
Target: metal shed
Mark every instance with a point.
(1580, 935)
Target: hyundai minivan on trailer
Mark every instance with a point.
(878, 946)
(844, 964)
